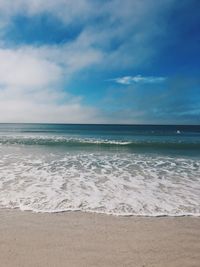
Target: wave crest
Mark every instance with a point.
(119, 184)
(93, 142)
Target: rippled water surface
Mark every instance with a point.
(121, 170)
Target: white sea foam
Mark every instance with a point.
(120, 184)
(37, 139)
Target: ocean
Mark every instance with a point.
(141, 170)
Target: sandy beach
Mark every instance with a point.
(87, 239)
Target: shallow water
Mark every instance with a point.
(121, 170)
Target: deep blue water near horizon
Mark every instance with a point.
(148, 170)
(168, 139)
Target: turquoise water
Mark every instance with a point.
(116, 169)
(183, 140)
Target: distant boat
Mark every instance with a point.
(178, 132)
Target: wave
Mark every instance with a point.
(95, 142)
(119, 184)
(55, 140)
(119, 214)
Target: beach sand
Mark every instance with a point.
(87, 239)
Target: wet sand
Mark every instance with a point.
(86, 239)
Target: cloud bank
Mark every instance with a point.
(31, 87)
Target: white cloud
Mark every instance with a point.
(22, 108)
(138, 79)
(22, 68)
(31, 87)
(17, 105)
(33, 78)
(124, 24)
(65, 10)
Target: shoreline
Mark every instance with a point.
(91, 239)
(118, 215)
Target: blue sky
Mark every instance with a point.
(100, 61)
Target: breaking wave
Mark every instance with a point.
(96, 142)
(116, 183)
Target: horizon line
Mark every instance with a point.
(115, 124)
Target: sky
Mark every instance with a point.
(100, 61)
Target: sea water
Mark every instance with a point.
(145, 170)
